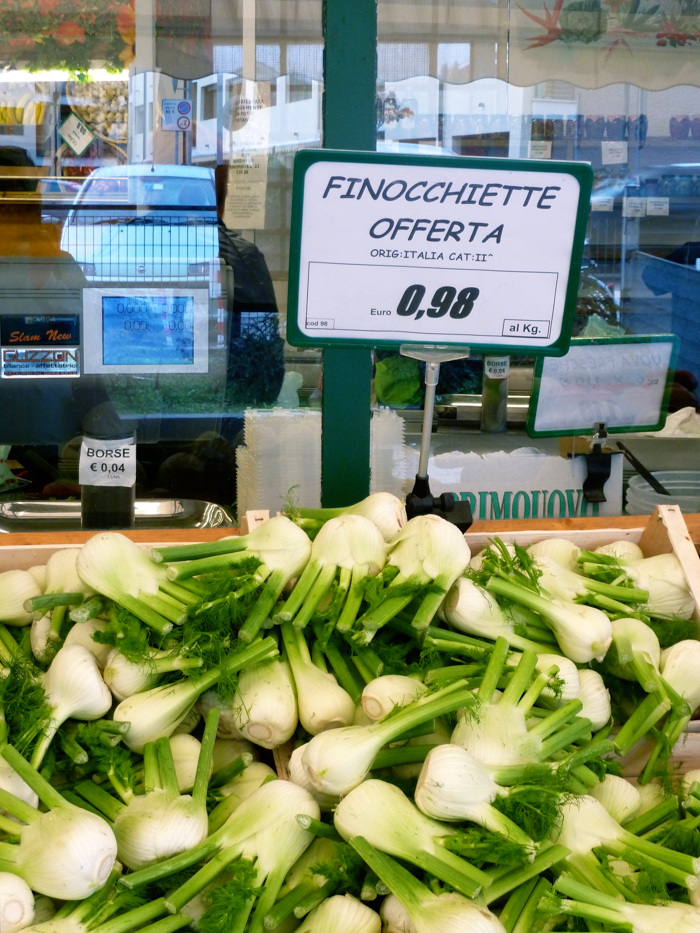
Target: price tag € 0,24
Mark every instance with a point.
(107, 463)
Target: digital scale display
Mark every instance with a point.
(148, 330)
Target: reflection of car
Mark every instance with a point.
(144, 223)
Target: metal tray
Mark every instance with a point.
(19, 517)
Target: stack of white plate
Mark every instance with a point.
(388, 453)
(683, 486)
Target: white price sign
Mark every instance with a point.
(620, 381)
(107, 463)
(540, 149)
(471, 252)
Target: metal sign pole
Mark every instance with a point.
(421, 501)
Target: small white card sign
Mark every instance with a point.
(634, 207)
(107, 463)
(540, 149)
(613, 152)
(76, 134)
(393, 249)
(603, 204)
(619, 381)
(657, 207)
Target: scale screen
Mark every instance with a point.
(623, 382)
(145, 330)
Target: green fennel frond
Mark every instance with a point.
(125, 632)
(346, 872)
(228, 900)
(24, 703)
(479, 845)
(115, 760)
(535, 810)
(672, 630)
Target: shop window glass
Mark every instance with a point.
(145, 187)
(614, 86)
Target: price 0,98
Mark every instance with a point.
(445, 299)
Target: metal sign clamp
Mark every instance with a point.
(599, 465)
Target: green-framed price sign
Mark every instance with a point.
(624, 382)
(389, 249)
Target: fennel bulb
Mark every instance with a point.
(162, 822)
(111, 564)
(663, 578)
(227, 750)
(66, 852)
(613, 913)
(156, 713)
(189, 723)
(384, 694)
(351, 545)
(497, 738)
(497, 733)
(595, 697)
(74, 689)
(323, 704)
(341, 913)
(679, 668)
(635, 646)
(39, 633)
(12, 782)
(337, 760)
(267, 829)
(586, 824)
(386, 511)
(155, 826)
(237, 790)
(454, 786)
(395, 917)
(567, 676)
(82, 634)
(583, 632)
(186, 750)
(270, 804)
(471, 609)
(227, 731)
(299, 775)
(383, 815)
(429, 913)
(16, 587)
(427, 550)
(125, 678)
(16, 903)
(282, 548)
(620, 798)
(242, 786)
(264, 707)
(38, 571)
(623, 551)
(564, 552)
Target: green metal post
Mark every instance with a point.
(350, 76)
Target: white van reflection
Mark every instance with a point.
(141, 223)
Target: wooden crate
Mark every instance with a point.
(663, 532)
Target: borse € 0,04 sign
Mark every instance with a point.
(391, 249)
